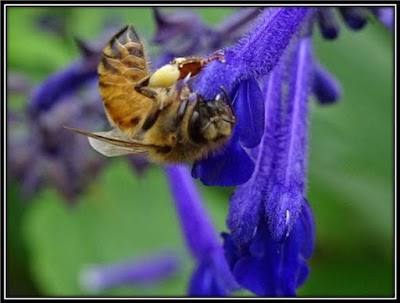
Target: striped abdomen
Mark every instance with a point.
(122, 65)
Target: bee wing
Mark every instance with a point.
(112, 143)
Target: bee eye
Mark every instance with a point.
(194, 128)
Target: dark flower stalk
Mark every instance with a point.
(212, 276)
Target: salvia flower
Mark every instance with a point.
(136, 273)
(270, 74)
(271, 268)
(212, 276)
(255, 54)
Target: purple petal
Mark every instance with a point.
(270, 268)
(273, 273)
(202, 283)
(249, 108)
(230, 167)
(355, 17)
(292, 158)
(212, 277)
(302, 274)
(244, 209)
(232, 254)
(307, 230)
(282, 207)
(328, 24)
(325, 87)
(283, 204)
(244, 212)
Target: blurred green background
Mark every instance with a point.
(350, 175)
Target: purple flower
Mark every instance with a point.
(271, 73)
(272, 268)
(254, 55)
(138, 272)
(212, 276)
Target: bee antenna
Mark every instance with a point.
(186, 79)
(181, 84)
(226, 95)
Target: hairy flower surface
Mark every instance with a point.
(269, 217)
(267, 207)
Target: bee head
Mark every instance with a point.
(211, 120)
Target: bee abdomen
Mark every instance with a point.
(124, 55)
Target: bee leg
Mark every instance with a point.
(151, 117)
(143, 88)
(181, 111)
(148, 92)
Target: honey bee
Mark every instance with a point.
(156, 114)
